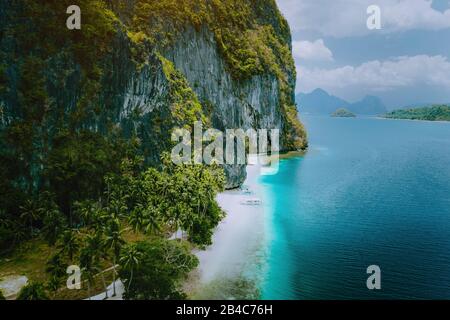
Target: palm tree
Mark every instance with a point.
(33, 291)
(56, 266)
(96, 245)
(177, 214)
(69, 244)
(151, 222)
(53, 285)
(114, 241)
(88, 211)
(30, 212)
(53, 224)
(88, 267)
(145, 219)
(130, 259)
(116, 208)
(136, 219)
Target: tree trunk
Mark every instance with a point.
(89, 290)
(104, 284)
(131, 279)
(114, 277)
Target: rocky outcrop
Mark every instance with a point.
(190, 73)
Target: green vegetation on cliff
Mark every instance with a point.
(434, 113)
(252, 35)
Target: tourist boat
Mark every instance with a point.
(251, 202)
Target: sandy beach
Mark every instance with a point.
(238, 238)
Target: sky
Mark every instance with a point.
(406, 62)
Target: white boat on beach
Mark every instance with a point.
(247, 192)
(251, 202)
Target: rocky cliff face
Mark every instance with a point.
(253, 103)
(146, 87)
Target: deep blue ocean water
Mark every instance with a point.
(368, 192)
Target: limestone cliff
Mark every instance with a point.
(146, 66)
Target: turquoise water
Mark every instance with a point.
(369, 191)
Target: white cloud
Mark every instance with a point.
(344, 18)
(315, 51)
(375, 76)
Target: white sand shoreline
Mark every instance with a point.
(238, 236)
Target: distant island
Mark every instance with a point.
(433, 113)
(343, 113)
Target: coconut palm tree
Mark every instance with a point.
(53, 284)
(96, 244)
(136, 220)
(69, 244)
(88, 211)
(55, 266)
(130, 259)
(89, 266)
(114, 242)
(33, 291)
(30, 212)
(151, 219)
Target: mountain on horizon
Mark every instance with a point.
(321, 102)
(369, 105)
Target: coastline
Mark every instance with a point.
(234, 265)
(236, 253)
(415, 120)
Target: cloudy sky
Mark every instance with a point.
(406, 62)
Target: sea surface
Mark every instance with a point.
(368, 192)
